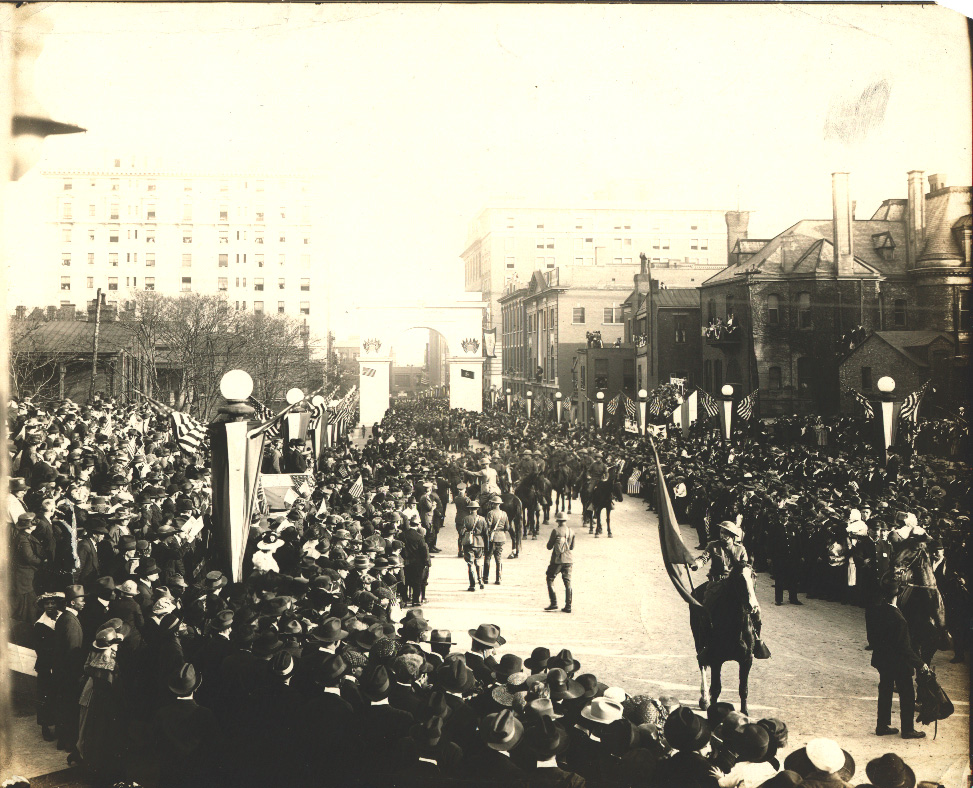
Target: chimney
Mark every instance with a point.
(21, 312)
(51, 312)
(915, 218)
(66, 312)
(937, 182)
(737, 223)
(844, 250)
(92, 308)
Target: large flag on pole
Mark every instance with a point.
(910, 405)
(866, 405)
(675, 554)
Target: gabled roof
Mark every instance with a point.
(911, 345)
(537, 283)
(750, 245)
(70, 336)
(677, 298)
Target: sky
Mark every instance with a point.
(412, 117)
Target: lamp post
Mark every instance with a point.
(293, 419)
(530, 403)
(887, 412)
(319, 404)
(600, 408)
(509, 392)
(643, 397)
(236, 460)
(726, 411)
(558, 396)
(493, 397)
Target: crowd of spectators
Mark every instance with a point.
(320, 668)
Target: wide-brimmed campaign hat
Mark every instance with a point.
(488, 635)
(328, 631)
(562, 687)
(890, 771)
(565, 660)
(509, 664)
(454, 676)
(604, 711)
(821, 755)
(731, 527)
(684, 730)
(538, 659)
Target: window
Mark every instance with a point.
(260, 260)
(150, 260)
(258, 307)
(65, 282)
(964, 310)
(92, 210)
(665, 243)
(150, 186)
(305, 307)
(150, 210)
(224, 213)
(283, 212)
(775, 379)
(222, 284)
(616, 260)
(680, 322)
(187, 212)
(258, 285)
(258, 237)
(112, 282)
(187, 261)
(307, 240)
(224, 186)
(90, 281)
(66, 235)
(280, 283)
(187, 186)
(804, 310)
(280, 307)
(601, 373)
(187, 235)
(113, 259)
(150, 283)
(589, 243)
(577, 315)
(866, 378)
(613, 314)
(538, 262)
(898, 313)
(773, 310)
(65, 258)
(305, 285)
(804, 371)
(704, 243)
(583, 383)
(281, 259)
(550, 262)
(150, 236)
(510, 261)
(186, 284)
(224, 237)
(694, 243)
(91, 258)
(113, 236)
(224, 261)
(68, 185)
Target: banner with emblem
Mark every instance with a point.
(490, 343)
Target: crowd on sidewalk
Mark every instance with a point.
(319, 667)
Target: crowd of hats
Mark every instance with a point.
(325, 618)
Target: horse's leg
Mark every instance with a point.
(608, 522)
(716, 686)
(704, 680)
(745, 666)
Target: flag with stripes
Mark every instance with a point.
(655, 406)
(630, 407)
(863, 401)
(368, 372)
(357, 490)
(265, 414)
(708, 403)
(745, 406)
(547, 403)
(260, 499)
(634, 485)
(189, 432)
(910, 406)
(317, 416)
(612, 406)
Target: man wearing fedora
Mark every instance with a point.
(187, 736)
(67, 660)
(561, 544)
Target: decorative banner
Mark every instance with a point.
(631, 426)
(467, 373)
(368, 372)
(490, 343)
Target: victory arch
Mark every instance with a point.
(461, 324)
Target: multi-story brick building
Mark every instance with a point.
(506, 240)
(806, 297)
(125, 227)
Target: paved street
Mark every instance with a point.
(631, 629)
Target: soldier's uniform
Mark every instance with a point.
(499, 532)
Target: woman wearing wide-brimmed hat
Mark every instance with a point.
(102, 725)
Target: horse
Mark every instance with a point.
(544, 490)
(527, 492)
(514, 510)
(920, 601)
(600, 498)
(562, 482)
(725, 630)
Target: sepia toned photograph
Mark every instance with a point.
(335, 333)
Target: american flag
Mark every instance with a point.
(317, 416)
(708, 403)
(863, 401)
(189, 432)
(612, 406)
(655, 406)
(368, 372)
(265, 414)
(634, 486)
(547, 403)
(630, 407)
(910, 406)
(357, 490)
(745, 406)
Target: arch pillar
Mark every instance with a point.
(374, 376)
(465, 382)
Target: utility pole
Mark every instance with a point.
(94, 345)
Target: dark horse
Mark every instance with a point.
(530, 497)
(920, 601)
(514, 510)
(600, 498)
(544, 490)
(725, 631)
(563, 482)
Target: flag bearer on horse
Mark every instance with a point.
(724, 555)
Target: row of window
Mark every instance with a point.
(223, 260)
(804, 315)
(611, 315)
(151, 184)
(152, 213)
(657, 223)
(148, 235)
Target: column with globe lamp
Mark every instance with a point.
(236, 449)
(530, 403)
(292, 422)
(600, 408)
(319, 404)
(558, 396)
(887, 414)
(726, 412)
(643, 397)
(509, 393)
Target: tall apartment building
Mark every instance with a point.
(686, 247)
(127, 227)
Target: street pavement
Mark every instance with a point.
(631, 629)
